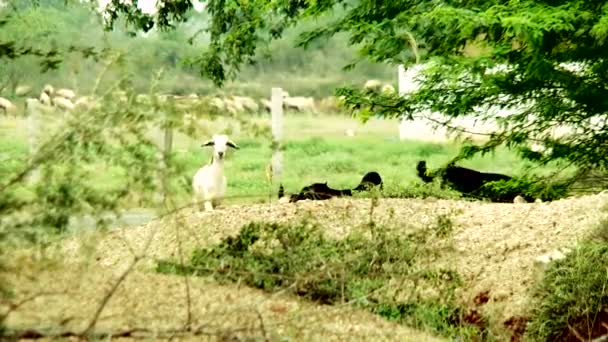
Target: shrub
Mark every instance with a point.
(573, 296)
(368, 268)
(416, 189)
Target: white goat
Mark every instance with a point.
(209, 182)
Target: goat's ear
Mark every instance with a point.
(207, 143)
(233, 145)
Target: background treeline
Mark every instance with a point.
(58, 25)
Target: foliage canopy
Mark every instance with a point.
(463, 41)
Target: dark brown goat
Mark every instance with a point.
(469, 181)
(321, 191)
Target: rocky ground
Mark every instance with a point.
(495, 246)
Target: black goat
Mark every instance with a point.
(470, 182)
(369, 181)
(321, 191)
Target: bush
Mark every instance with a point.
(573, 296)
(367, 268)
(530, 187)
(416, 189)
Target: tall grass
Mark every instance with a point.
(572, 299)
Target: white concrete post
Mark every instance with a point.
(277, 134)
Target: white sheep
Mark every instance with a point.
(65, 93)
(388, 89)
(86, 102)
(7, 106)
(63, 103)
(299, 103)
(209, 182)
(45, 99)
(22, 90)
(48, 89)
(372, 85)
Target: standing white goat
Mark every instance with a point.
(209, 182)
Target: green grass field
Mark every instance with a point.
(315, 150)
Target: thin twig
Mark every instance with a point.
(109, 295)
(13, 307)
(456, 128)
(576, 333)
(413, 46)
(186, 277)
(262, 326)
(135, 333)
(117, 283)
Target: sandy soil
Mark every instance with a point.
(495, 246)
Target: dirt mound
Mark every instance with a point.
(494, 249)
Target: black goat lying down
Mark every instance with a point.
(469, 181)
(320, 191)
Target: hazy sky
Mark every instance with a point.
(149, 6)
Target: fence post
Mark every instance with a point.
(32, 111)
(167, 149)
(276, 109)
(166, 154)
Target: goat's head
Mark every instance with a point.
(421, 166)
(220, 143)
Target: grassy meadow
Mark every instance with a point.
(315, 149)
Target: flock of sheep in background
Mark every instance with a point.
(66, 99)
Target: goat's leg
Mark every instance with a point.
(194, 200)
(208, 205)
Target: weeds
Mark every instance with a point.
(529, 187)
(369, 268)
(444, 225)
(573, 296)
(417, 189)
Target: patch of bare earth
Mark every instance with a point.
(494, 250)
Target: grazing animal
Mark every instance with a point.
(321, 191)
(22, 90)
(388, 89)
(63, 103)
(468, 181)
(65, 93)
(369, 181)
(7, 106)
(209, 182)
(372, 85)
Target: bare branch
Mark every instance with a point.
(15, 306)
(576, 333)
(117, 283)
